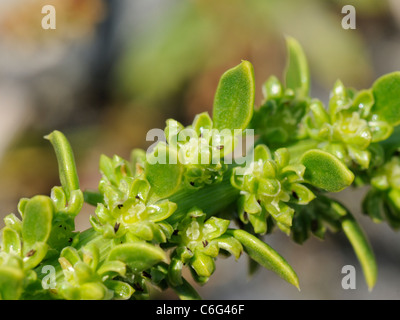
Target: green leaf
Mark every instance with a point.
(112, 268)
(262, 152)
(230, 244)
(66, 162)
(386, 94)
(122, 290)
(297, 75)
(38, 215)
(138, 256)
(362, 248)
(234, 99)
(325, 171)
(203, 265)
(58, 197)
(161, 210)
(75, 203)
(265, 255)
(92, 291)
(11, 241)
(163, 171)
(202, 122)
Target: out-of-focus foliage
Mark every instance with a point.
(191, 37)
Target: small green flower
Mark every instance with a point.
(278, 120)
(267, 186)
(86, 279)
(127, 212)
(348, 128)
(198, 243)
(200, 149)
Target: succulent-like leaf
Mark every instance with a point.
(362, 248)
(265, 255)
(138, 256)
(386, 94)
(66, 162)
(234, 99)
(36, 225)
(163, 171)
(11, 241)
(325, 171)
(297, 75)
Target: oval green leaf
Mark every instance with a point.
(122, 290)
(325, 171)
(36, 225)
(11, 241)
(387, 102)
(234, 99)
(163, 171)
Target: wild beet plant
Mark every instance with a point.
(172, 208)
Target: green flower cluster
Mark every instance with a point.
(85, 278)
(267, 185)
(198, 242)
(200, 148)
(46, 227)
(126, 213)
(382, 202)
(278, 120)
(349, 127)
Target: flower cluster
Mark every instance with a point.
(200, 148)
(198, 242)
(382, 202)
(278, 120)
(126, 212)
(349, 127)
(267, 185)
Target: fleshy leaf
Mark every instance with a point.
(234, 99)
(38, 215)
(122, 290)
(362, 248)
(386, 94)
(265, 255)
(163, 171)
(11, 241)
(297, 75)
(138, 256)
(325, 171)
(66, 162)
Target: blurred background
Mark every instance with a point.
(112, 70)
